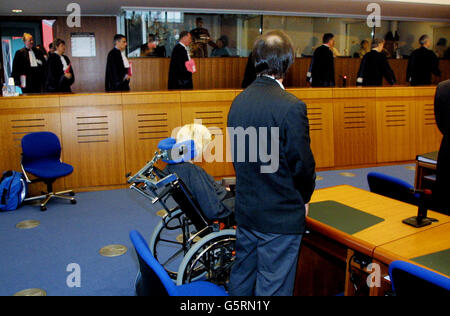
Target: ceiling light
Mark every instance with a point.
(17, 10)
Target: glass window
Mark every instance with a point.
(220, 35)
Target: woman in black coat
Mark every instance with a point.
(59, 75)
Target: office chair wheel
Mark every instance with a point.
(73, 201)
(43, 208)
(165, 243)
(210, 259)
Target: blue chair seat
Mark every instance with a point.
(412, 280)
(155, 277)
(48, 169)
(199, 288)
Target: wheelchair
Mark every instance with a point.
(204, 247)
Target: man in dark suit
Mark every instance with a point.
(321, 69)
(179, 76)
(29, 67)
(117, 76)
(272, 193)
(422, 63)
(59, 76)
(374, 66)
(442, 113)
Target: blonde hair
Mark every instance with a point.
(26, 36)
(200, 134)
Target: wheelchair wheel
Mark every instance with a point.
(210, 259)
(168, 241)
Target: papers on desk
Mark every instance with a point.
(430, 158)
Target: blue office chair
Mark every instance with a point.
(41, 157)
(153, 280)
(408, 279)
(392, 187)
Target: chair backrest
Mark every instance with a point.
(41, 145)
(391, 187)
(412, 280)
(155, 280)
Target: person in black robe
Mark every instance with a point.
(179, 76)
(31, 63)
(422, 63)
(59, 76)
(117, 66)
(374, 66)
(442, 114)
(250, 73)
(321, 69)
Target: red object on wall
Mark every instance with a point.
(47, 33)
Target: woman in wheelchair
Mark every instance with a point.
(215, 200)
(200, 230)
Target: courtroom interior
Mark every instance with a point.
(175, 148)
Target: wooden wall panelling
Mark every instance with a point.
(396, 124)
(354, 126)
(147, 119)
(428, 135)
(319, 104)
(149, 74)
(211, 107)
(89, 71)
(92, 137)
(20, 116)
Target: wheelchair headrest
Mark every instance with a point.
(177, 152)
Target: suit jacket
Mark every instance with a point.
(421, 64)
(179, 76)
(55, 79)
(272, 202)
(374, 66)
(116, 72)
(442, 114)
(322, 67)
(35, 75)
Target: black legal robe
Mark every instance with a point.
(250, 72)
(322, 67)
(56, 81)
(374, 66)
(421, 64)
(179, 76)
(116, 72)
(34, 75)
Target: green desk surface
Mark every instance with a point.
(438, 261)
(342, 217)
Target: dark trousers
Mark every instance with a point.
(265, 264)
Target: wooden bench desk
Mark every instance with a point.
(323, 267)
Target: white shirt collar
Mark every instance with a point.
(187, 50)
(272, 77)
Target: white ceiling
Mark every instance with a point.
(357, 8)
